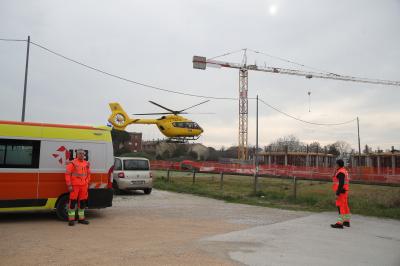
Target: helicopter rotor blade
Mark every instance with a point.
(201, 113)
(165, 108)
(153, 114)
(193, 106)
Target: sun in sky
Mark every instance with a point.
(272, 9)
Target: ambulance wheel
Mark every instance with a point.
(117, 191)
(147, 191)
(61, 208)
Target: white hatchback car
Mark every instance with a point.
(132, 173)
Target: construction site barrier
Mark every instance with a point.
(357, 174)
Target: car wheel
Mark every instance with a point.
(147, 191)
(61, 208)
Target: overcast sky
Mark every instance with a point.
(153, 42)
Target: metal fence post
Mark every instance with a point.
(294, 187)
(194, 176)
(221, 184)
(168, 175)
(255, 185)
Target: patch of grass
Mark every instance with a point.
(380, 201)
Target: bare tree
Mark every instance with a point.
(367, 149)
(343, 147)
(289, 143)
(315, 147)
(332, 149)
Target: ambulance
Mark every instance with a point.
(33, 157)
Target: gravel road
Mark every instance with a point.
(162, 228)
(167, 228)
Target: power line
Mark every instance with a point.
(12, 40)
(129, 80)
(173, 91)
(304, 121)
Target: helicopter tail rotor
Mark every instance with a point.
(118, 118)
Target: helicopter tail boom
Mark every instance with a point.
(118, 118)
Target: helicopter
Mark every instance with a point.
(172, 125)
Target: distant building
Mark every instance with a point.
(135, 142)
(150, 146)
(379, 160)
(311, 159)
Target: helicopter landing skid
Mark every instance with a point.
(181, 139)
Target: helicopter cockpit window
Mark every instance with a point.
(186, 125)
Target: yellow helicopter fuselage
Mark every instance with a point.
(171, 126)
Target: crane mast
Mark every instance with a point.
(243, 114)
(200, 62)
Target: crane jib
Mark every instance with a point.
(201, 63)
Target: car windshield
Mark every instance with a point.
(136, 165)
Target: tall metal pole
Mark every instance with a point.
(255, 154)
(359, 145)
(26, 78)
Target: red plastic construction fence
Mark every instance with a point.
(367, 174)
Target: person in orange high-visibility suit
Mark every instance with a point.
(341, 188)
(77, 177)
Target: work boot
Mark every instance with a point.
(83, 221)
(347, 223)
(71, 223)
(337, 225)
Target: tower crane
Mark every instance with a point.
(200, 62)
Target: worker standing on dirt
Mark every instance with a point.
(341, 188)
(77, 177)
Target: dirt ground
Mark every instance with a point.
(159, 229)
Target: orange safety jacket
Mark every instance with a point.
(335, 180)
(77, 173)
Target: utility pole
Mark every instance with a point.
(255, 154)
(26, 78)
(359, 145)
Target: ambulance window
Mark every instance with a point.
(19, 153)
(2, 153)
(117, 165)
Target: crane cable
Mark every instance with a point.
(229, 53)
(292, 62)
